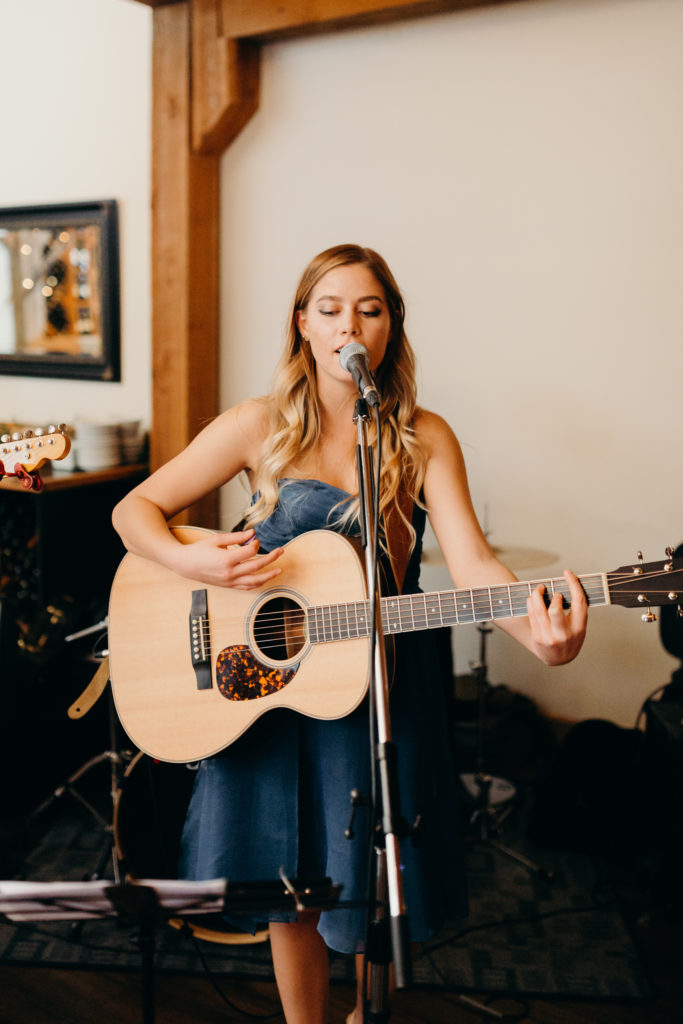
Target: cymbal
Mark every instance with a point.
(514, 557)
(523, 558)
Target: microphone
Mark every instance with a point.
(354, 358)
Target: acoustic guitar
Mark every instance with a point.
(193, 666)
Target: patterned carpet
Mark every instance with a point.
(525, 934)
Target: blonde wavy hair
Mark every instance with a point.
(294, 407)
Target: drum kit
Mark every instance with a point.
(491, 797)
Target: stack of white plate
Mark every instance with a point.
(97, 445)
(132, 440)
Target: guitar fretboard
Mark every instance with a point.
(412, 612)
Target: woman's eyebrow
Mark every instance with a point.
(338, 298)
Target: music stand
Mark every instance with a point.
(146, 903)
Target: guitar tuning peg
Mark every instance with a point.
(5, 438)
(16, 436)
(61, 427)
(39, 431)
(52, 429)
(669, 551)
(649, 615)
(637, 570)
(28, 433)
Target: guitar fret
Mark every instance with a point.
(347, 631)
(309, 629)
(362, 628)
(463, 605)
(433, 611)
(448, 613)
(419, 604)
(405, 607)
(393, 615)
(334, 622)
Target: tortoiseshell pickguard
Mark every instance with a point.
(240, 676)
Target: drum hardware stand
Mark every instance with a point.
(115, 756)
(483, 786)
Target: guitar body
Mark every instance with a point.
(172, 716)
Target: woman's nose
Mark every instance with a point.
(350, 324)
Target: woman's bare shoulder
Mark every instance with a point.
(247, 424)
(432, 430)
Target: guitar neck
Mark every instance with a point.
(413, 612)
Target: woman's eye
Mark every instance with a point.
(370, 312)
(327, 312)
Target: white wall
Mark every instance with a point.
(520, 168)
(75, 82)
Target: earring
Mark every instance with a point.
(306, 339)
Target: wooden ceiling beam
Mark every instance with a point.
(225, 80)
(266, 20)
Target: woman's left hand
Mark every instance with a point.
(558, 635)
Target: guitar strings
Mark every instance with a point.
(478, 597)
(272, 629)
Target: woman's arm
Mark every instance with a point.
(227, 446)
(553, 635)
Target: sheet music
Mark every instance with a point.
(72, 901)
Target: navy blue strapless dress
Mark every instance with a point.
(280, 794)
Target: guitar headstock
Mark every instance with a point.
(648, 583)
(33, 448)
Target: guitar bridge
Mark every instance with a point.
(200, 640)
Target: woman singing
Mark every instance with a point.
(280, 794)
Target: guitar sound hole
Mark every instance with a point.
(279, 629)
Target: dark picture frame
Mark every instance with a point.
(59, 291)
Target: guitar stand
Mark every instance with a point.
(493, 796)
(114, 756)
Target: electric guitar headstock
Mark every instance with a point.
(26, 452)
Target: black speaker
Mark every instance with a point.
(664, 751)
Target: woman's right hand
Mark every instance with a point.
(227, 560)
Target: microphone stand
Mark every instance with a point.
(388, 878)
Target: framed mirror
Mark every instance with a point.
(59, 291)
